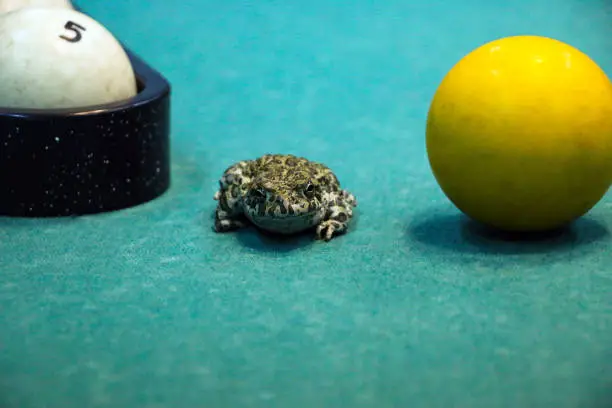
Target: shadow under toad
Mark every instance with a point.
(266, 242)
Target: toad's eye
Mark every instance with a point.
(309, 190)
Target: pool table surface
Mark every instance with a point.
(416, 306)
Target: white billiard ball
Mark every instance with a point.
(60, 58)
(10, 5)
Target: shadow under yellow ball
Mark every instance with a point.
(519, 134)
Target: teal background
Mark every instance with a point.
(415, 307)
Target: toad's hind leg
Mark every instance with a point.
(338, 217)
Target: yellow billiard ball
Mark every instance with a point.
(60, 58)
(519, 134)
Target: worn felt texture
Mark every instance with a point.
(414, 307)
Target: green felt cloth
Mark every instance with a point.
(414, 307)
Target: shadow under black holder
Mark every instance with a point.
(84, 161)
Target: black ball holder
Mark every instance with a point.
(90, 160)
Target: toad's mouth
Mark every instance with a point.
(283, 222)
(257, 214)
(284, 210)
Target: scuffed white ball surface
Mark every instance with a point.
(10, 5)
(40, 69)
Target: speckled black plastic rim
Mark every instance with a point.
(91, 160)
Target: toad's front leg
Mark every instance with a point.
(229, 213)
(337, 217)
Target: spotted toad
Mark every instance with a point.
(283, 194)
